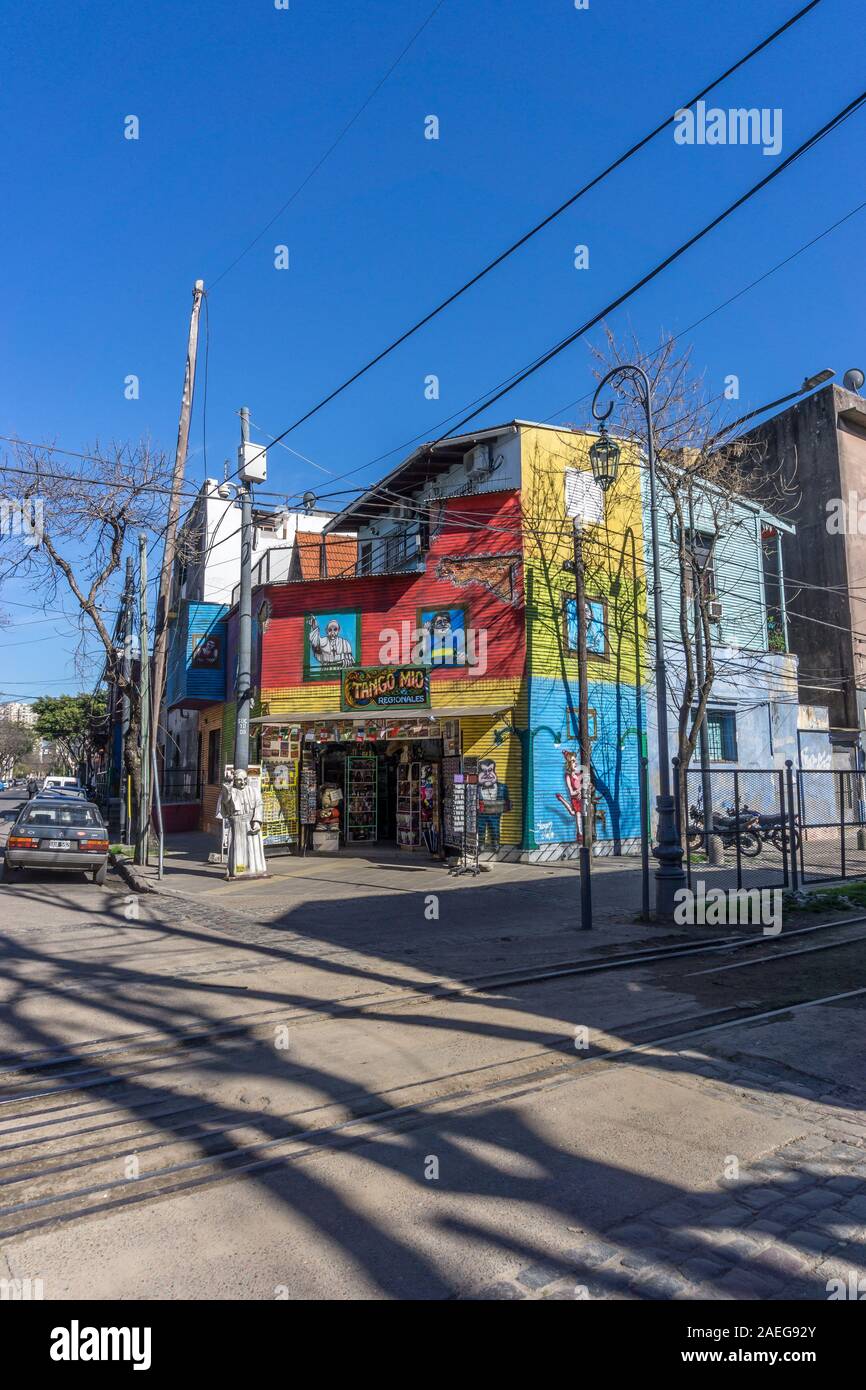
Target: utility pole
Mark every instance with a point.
(126, 668)
(146, 726)
(168, 554)
(243, 680)
(585, 847)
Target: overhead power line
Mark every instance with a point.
(330, 150)
(550, 217)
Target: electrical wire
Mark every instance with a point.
(545, 221)
(343, 133)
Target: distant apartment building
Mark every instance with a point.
(18, 712)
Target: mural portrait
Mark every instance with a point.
(596, 625)
(207, 652)
(443, 631)
(332, 642)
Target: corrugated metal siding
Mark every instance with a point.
(185, 681)
(739, 572)
(387, 602)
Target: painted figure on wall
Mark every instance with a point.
(444, 636)
(574, 790)
(328, 645)
(493, 802)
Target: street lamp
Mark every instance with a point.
(604, 457)
(668, 851)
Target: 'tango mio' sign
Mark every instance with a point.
(385, 687)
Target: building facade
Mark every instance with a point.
(463, 570)
(818, 449)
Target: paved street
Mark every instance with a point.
(309, 1088)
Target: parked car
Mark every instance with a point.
(61, 784)
(61, 794)
(65, 834)
(2, 785)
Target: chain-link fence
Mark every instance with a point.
(745, 840)
(771, 827)
(831, 823)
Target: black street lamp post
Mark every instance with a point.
(604, 457)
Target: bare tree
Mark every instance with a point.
(87, 514)
(705, 474)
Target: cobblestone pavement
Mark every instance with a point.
(785, 1227)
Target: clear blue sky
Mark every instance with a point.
(103, 236)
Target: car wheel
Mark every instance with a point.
(100, 874)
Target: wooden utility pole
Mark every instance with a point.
(168, 554)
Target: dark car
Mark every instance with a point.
(67, 834)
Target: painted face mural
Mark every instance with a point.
(493, 802)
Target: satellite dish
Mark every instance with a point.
(853, 380)
(309, 502)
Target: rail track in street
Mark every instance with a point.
(58, 1167)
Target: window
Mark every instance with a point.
(701, 545)
(722, 735)
(213, 757)
(365, 557)
(76, 815)
(395, 548)
(596, 625)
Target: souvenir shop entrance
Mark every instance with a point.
(331, 787)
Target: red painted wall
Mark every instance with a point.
(387, 600)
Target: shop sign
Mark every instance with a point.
(385, 687)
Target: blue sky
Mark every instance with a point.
(238, 101)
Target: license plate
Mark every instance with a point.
(60, 844)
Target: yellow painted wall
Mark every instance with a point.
(305, 702)
(549, 541)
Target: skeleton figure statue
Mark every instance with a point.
(241, 805)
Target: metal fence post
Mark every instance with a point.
(792, 823)
(737, 829)
(786, 839)
(644, 838)
(842, 776)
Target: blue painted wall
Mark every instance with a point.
(615, 758)
(197, 685)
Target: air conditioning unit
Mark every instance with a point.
(714, 611)
(476, 459)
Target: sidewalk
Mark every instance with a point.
(378, 889)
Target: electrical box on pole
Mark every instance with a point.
(252, 463)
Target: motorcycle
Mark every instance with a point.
(728, 828)
(773, 829)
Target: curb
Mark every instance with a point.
(130, 874)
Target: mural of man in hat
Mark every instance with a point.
(493, 802)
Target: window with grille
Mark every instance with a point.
(722, 736)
